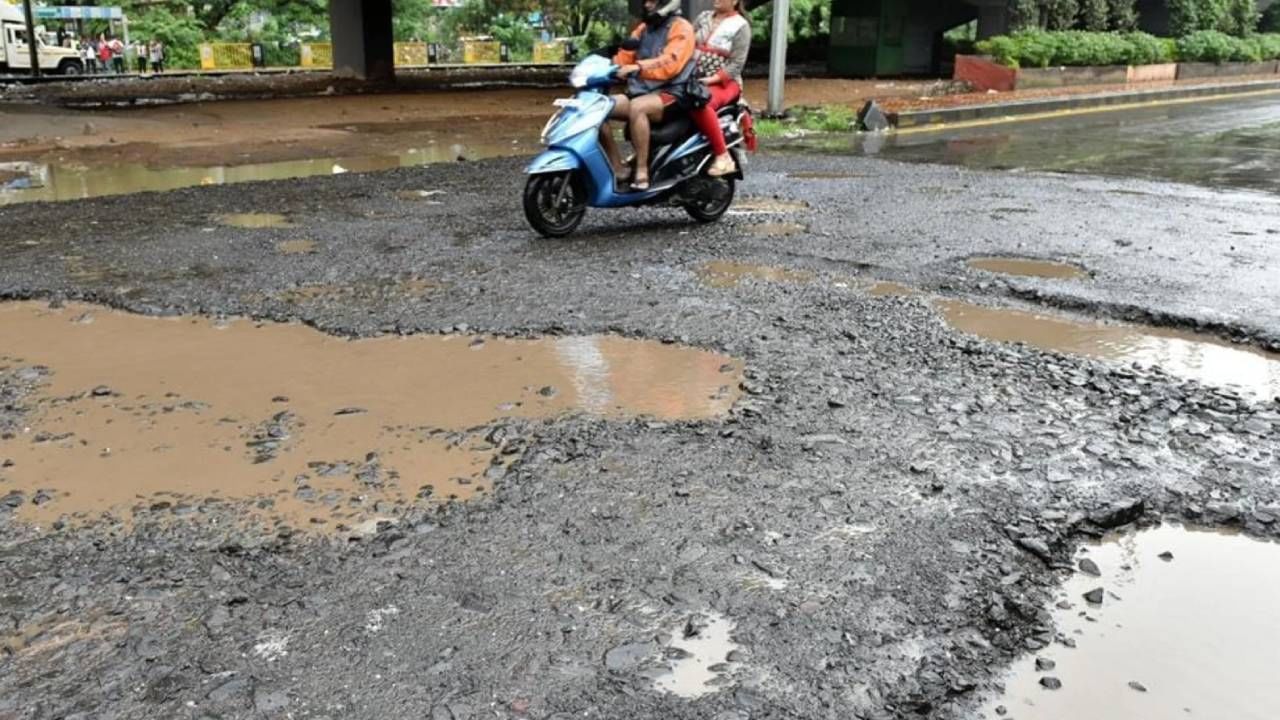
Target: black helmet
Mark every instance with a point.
(661, 13)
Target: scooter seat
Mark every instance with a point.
(672, 131)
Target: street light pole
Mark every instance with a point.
(31, 38)
(778, 55)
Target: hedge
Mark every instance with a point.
(1039, 48)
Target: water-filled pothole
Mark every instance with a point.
(1184, 354)
(887, 288)
(253, 220)
(727, 274)
(700, 653)
(1186, 628)
(766, 206)
(58, 181)
(133, 410)
(1028, 267)
(296, 247)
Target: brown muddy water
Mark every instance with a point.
(53, 181)
(728, 274)
(776, 229)
(1184, 354)
(253, 221)
(1192, 634)
(135, 410)
(766, 206)
(1027, 267)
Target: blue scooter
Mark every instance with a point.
(573, 173)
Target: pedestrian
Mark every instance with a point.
(157, 56)
(140, 56)
(117, 55)
(89, 52)
(104, 54)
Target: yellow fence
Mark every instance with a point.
(225, 56)
(411, 53)
(481, 51)
(317, 54)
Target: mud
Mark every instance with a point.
(1027, 267)
(778, 229)
(296, 247)
(729, 274)
(318, 430)
(891, 289)
(881, 514)
(1184, 354)
(253, 221)
(1186, 628)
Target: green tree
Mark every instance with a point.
(1094, 15)
(1270, 22)
(1184, 17)
(1242, 17)
(1123, 15)
(1060, 14)
(181, 34)
(1024, 15)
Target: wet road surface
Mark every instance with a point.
(877, 526)
(1216, 144)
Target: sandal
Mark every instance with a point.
(640, 185)
(723, 165)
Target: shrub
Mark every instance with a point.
(1208, 46)
(1002, 48)
(1040, 48)
(1123, 15)
(1144, 49)
(1093, 15)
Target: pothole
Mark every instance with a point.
(892, 289)
(253, 220)
(69, 181)
(774, 229)
(1028, 267)
(176, 413)
(701, 654)
(824, 175)
(1186, 627)
(727, 274)
(766, 206)
(1184, 354)
(296, 247)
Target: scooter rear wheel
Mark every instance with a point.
(712, 200)
(555, 203)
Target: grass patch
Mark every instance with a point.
(824, 119)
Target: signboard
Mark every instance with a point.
(73, 12)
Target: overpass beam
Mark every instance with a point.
(362, 39)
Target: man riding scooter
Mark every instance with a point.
(657, 69)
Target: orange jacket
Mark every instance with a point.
(674, 56)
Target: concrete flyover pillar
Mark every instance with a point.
(362, 39)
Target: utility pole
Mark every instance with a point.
(777, 56)
(31, 39)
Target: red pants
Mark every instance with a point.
(704, 118)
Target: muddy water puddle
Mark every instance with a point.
(891, 289)
(700, 651)
(54, 181)
(729, 274)
(253, 220)
(774, 229)
(296, 247)
(1028, 267)
(767, 206)
(1184, 354)
(1187, 628)
(316, 430)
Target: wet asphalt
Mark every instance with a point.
(919, 491)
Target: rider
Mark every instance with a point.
(656, 71)
(723, 38)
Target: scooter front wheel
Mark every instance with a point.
(555, 203)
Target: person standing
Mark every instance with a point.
(140, 56)
(117, 55)
(104, 54)
(157, 56)
(723, 38)
(87, 55)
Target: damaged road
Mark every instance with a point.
(874, 528)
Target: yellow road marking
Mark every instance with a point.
(1079, 111)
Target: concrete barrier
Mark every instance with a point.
(1164, 72)
(1069, 76)
(1192, 71)
(983, 74)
